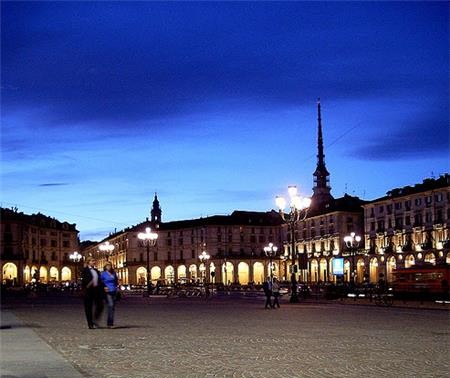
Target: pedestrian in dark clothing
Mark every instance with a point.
(93, 293)
(267, 287)
(276, 293)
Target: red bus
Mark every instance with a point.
(423, 279)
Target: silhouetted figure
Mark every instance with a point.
(267, 287)
(276, 293)
(93, 293)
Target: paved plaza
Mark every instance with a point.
(227, 337)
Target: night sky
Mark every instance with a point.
(213, 105)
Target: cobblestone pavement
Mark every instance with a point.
(192, 338)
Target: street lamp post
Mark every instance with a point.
(149, 239)
(298, 210)
(204, 258)
(107, 248)
(352, 243)
(270, 251)
(284, 258)
(75, 257)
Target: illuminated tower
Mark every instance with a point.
(321, 190)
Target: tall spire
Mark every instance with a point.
(156, 212)
(321, 189)
(320, 155)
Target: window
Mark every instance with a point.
(407, 205)
(169, 256)
(181, 255)
(438, 197)
(193, 254)
(417, 219)
(372, 212)
(43, 242)
(398, 206)
(408, 220)
(428, 200)
(418, 201)
(155, 256)
(53, 243)
(389, 208)
(381, 209)
(398, 222)
(331, 219)
(428, 217)
(439, 216)
(53, 256)
(252, 239)
(230, 238)
(219, 238)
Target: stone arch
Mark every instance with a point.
(155, 273)
(409, 261)
(66, 274)
(373, 269)
(227, 273)
(390, 266)
(181, 271)
(314, 270)
(54, 274)
(360, 269)
(43, 274)
(193, 272)
(169, 273)
(243, 273)
(258, 272)
(10, 272)
(141, 275)
(27, 274)
(430, 258)
(347, 270)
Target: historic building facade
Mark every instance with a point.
(320, 236)
(234, 242)
(36, 247)
(408, 226)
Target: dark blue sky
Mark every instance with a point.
(214, 104)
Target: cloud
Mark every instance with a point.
(125, 62)
(54, 184)
(425, 138)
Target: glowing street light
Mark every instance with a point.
(352, 243)
(298, 209)
(76, 257)
(107, 248)
(270, 251)
(149, 239)
(204, 258)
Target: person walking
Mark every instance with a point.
(111, 282)
(92, 286)
(267, 287)
(276, 293)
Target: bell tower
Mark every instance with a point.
(155, 213)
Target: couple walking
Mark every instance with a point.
(271, 288)
(97, 288)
